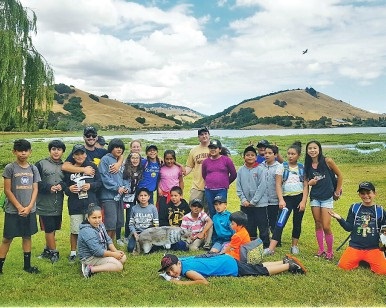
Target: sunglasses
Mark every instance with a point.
(90, 136)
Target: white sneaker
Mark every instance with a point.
(126, 240)
(120, 243)
(295, 250)
(268, 252)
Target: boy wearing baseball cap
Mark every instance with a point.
(197, 268)
(364, 221)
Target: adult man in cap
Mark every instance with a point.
(94, 154)
(194, 163)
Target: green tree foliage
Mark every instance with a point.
(105, 96)
(26, 80)
(140, 120)
(94, 97)
(312, 92)
(63, 88)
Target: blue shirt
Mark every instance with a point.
(222, 228)
(150, 175)
(220, 265)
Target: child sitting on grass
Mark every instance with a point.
(200, 224)
(96, 249)
(222, 231)
(238, 222)
(198, 268)
(143, 215)
(363, 221)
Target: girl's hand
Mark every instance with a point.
(246, 203)
(302, 206)
(335, 215)
(282, 204)
(121, 190)
(312, 182)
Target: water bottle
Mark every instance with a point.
(282, 217)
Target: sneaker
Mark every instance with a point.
(295, 250)
(121, 243)
(126, 241)
(320, 254)
(86, 270)
(206, 246)
(54, 256)
(72, 258)
(295, 266)
(286, 259)
(45, 254)
(329, 256)
(268, 252)
(32, 270)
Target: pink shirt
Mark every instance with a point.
(169, 177)
(194, 225)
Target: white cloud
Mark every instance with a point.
(134, 52)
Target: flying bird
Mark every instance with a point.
(305, 51)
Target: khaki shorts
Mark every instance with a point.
(96, 260)
(75, 221)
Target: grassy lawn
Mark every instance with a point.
(62, 284)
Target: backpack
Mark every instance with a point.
(334, 178)
(286, 171)
(252, 252)
(378, 212)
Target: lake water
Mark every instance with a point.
(185, 134)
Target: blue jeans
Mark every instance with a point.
(210, 194)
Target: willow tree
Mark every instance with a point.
(26, 79)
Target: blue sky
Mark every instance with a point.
(211, 54)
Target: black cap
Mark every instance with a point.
(78, 148)
(220, 199)
(249, 149)
(90, 130)
(151, 146)
(203, 130)
(214, 143)
(262, 143)
(366, 186)
(101, 140)
(196, 202)
(168, 260)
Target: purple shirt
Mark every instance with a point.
(218, 173)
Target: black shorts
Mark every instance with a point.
(49, 224)
(18, 226)
(246, 269)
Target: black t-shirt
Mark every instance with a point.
(97, 153)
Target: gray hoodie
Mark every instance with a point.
(251, 187)
(92, 241)
(269, 177)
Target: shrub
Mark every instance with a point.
(62, 88)
(94, 97)
(140, 120)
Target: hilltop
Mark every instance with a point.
(290, 108)
(181, 113)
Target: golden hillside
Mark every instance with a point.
(112, 112)
(302, 104)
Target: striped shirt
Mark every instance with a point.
(195, 225)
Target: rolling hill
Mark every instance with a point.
(112, 112)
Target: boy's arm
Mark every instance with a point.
(10, 196)
(208, 225)
(69, 167)
(117, 166)
(348, 224)
(43, 186)
(155, 217)
(26, 210)
(195, 278)
(239, 190)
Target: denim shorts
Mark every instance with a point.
(328, 204)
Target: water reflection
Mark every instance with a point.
(360, 147)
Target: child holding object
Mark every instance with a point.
(364, 221)
(96, 249)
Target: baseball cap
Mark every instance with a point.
(203, 130)
(366, 186)
(196, 202)
(249, 149)
(168, 260)
(262, 143)
(151, 146)
(101, 140)
(220, 199)
(214, 143)
(78, 148)
(90, 130)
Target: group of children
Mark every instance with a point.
(102, 185)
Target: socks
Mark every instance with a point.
(329, 241)
(2, 260)
(73, 253)
(27, 260)
(320, 239)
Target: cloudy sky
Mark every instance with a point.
(211, 54)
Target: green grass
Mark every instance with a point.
(62, 284)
